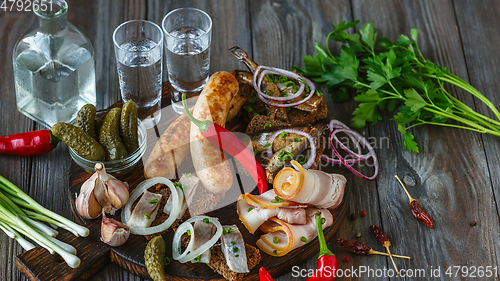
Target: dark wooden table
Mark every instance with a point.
(457, 172)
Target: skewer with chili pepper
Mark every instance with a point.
(362, 249)
(383, 239)
(29, 143)
(416, 210)
(232, 145)
(327, 261)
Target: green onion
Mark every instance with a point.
(323, 220)
(267, 145)
(318, 93)
(255, 152)
(283, 78)
(166, 261)
(189, 232)
(235, 249)
(197, 259)
(283, 134)
(268, 114)
(248, 108)
(304, 239)
(275, 252)
(187, 175)
(289, 83)
(269, 92)
(288, 109)
(277, 199)
(236, 255)
(302, 159)
(297, 140)
(154, 201)
(255, 114)
(284, 94)
(147, 216)
(232, 242)
(251, 101)
(268, 124)
(206, 220)
(276, 240)
(249, 209)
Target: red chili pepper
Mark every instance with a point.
(29, 143)
(232, 145)
(264, 275)
(327, 262)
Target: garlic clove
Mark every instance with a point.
(118, 193)
(100, 190)
(86, 204)
(113, 232)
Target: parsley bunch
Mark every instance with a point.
(389, 76)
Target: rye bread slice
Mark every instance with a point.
(219, 265)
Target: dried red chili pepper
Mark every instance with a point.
(29, 143)
(264, 275)
(232, 145)
(420, 214)
(383, 239)
(362, 249)
(327, 261)
(416, 210)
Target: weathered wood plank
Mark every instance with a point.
(480, 45)
(453, 183)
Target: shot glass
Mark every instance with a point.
(139, 56)
(188, 34)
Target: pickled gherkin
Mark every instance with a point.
(154, 256)
(85, 119)
(128, 126)
(109, 136)
(78, 140)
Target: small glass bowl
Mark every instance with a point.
(116, 167)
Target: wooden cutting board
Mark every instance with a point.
(38, 264)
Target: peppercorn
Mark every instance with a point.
(363, 213)
(346, 259)
(358, 235)
(473, 223)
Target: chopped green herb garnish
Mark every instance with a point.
(248, 108)
(302, 159)
(277, 199)
(323, 220)
(179, 249)
(235, 249)
(283, 78)
(318, 93)
(289, 83)
(236, 255)
(154, 201)
(206, 220)
(297, 140)
(268, 114)
(288, 109)
(283, 134)
(285, 155)
(181, 186)
(307, 88)
(276, 240)
(271, 78)
(304, 239)
(295, 88)
(249, 209)
(268, 125)
(284, 94)
(232, 242)
(255, 152)
(189, 232)
(229, 230)
(166, 261)
(275, 252)
(147, 216)
(187, 175)
(268, 144)
(301, 80)
(197, 259)
(255, 114)
(251, 101)
(269, 92)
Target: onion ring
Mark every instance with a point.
(187, 255)
(259, 75)
(311, 159)
(138, 191)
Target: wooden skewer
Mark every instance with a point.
(392, 259)
(373, 252)
(409, 196)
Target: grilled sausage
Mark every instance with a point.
(213, 104)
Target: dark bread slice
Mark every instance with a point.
(258, 122)
(219, 265)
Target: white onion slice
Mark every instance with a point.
(188, 255)
(138, 191)
(259, 75)
(312, 154)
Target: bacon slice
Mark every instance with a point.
(312, 187)
(145, 211)
(253, 216)
(268, 200)
(288, 236)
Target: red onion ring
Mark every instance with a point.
(311, 159)
(363, 142)
(338, 161)
(259, 75)
(336, 124)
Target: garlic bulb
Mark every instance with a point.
(113, 232)
(101, 191)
